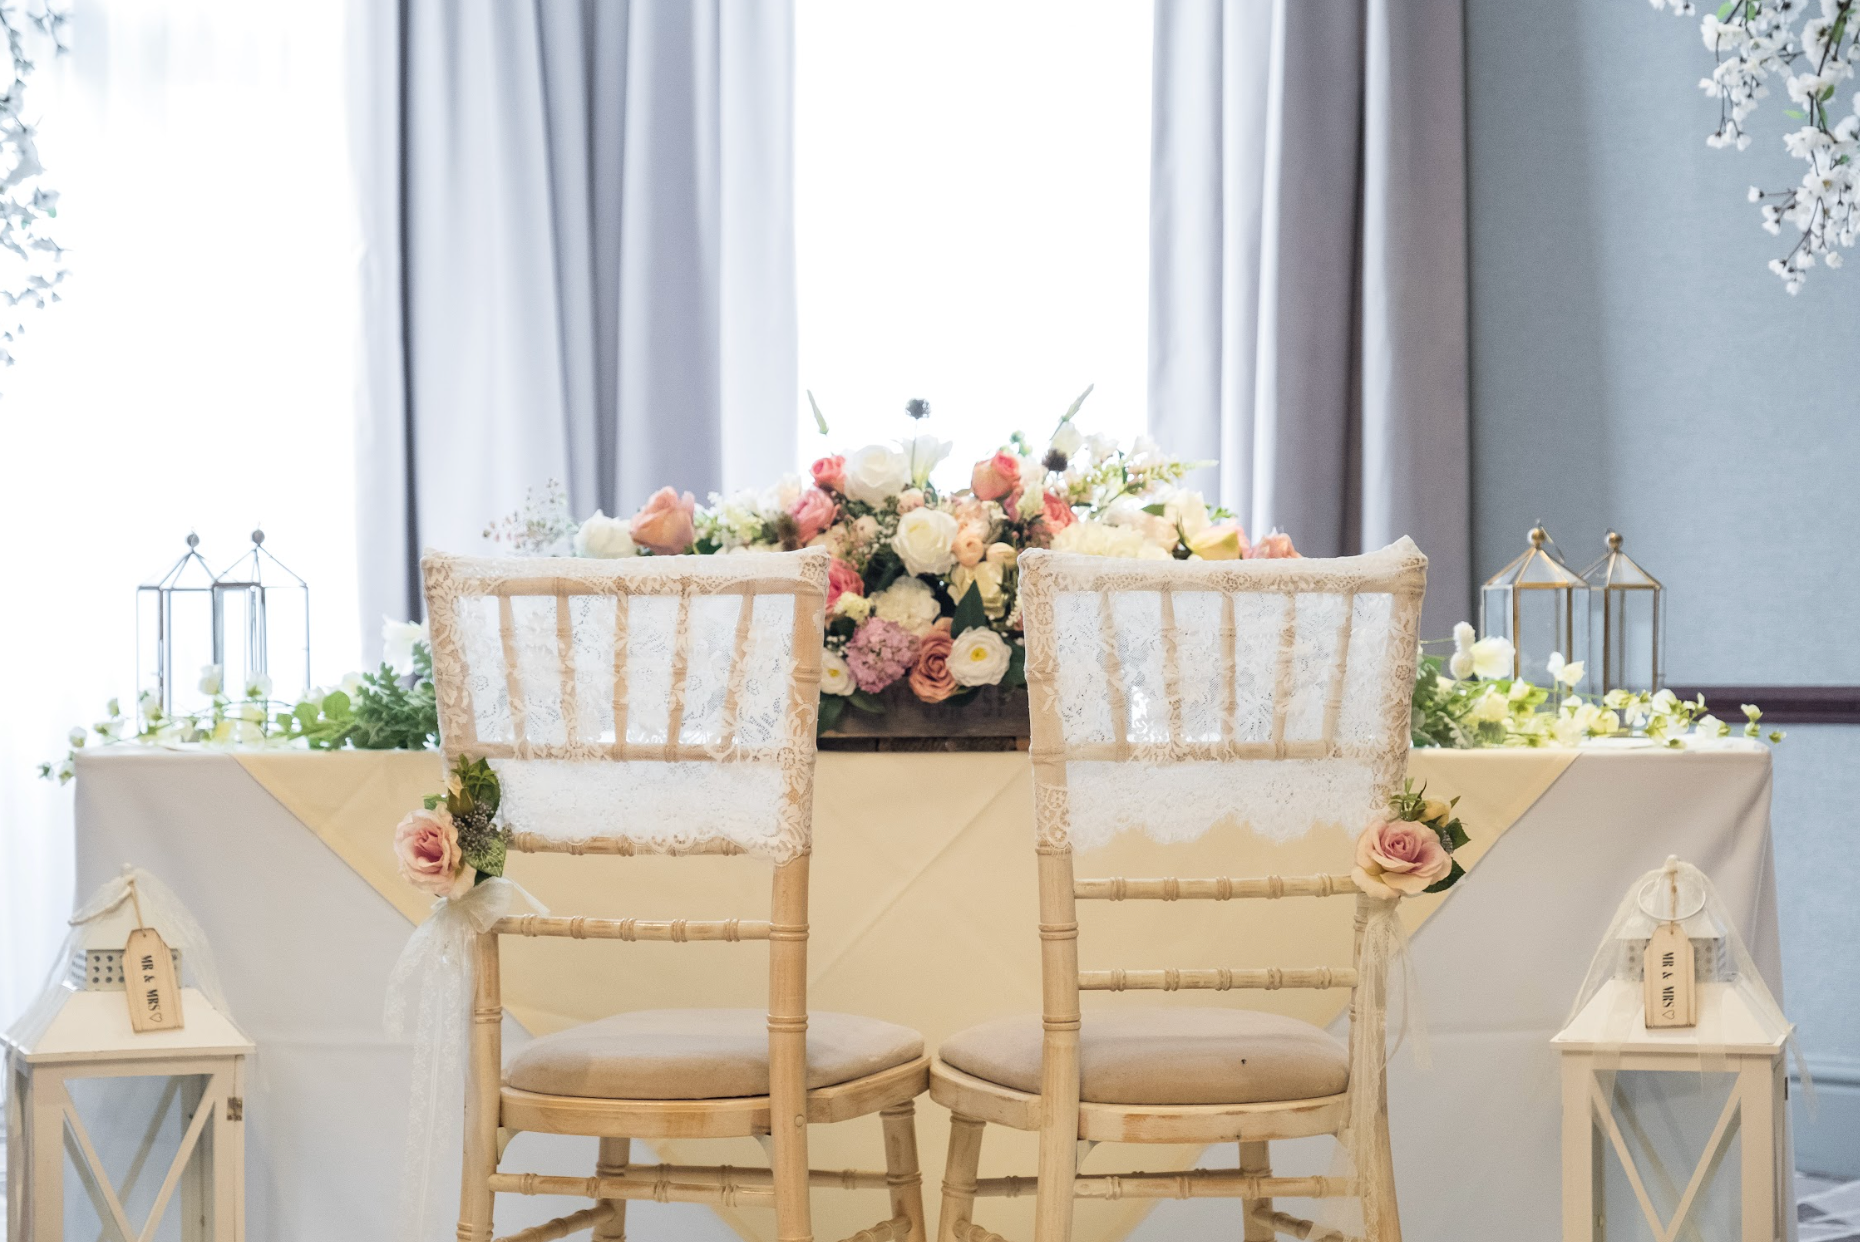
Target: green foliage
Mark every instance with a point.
(969, 613)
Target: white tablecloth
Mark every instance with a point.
(305, 946)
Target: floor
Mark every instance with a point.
(1827, 1211)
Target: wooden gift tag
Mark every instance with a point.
(149, 982)
(1671, 999)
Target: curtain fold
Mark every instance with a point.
(589, 209)
(1308, 271)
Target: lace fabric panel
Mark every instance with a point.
(668, 700)
(1301, 723)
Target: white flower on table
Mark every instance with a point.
(980, 657)
(876, 473)
(397, 640)
(605, 538)
(835, 674)
(925, 541)
(257, 686)
(1564, 671)
(212, 677)
(908, 603)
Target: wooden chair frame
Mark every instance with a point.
(495, 1112)
(1067, 1126)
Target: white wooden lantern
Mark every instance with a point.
(1739, 1037)
(91, 1038)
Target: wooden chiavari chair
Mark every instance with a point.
(661, 705)
(1170, 696)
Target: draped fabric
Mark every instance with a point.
(580, 263)
(1308, 271)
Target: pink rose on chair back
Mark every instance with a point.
(996, 477)
(665, 523)
(813, 512)
(1399, 858)
(426, 845)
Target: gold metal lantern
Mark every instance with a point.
(1541, 605)
(1627, 628)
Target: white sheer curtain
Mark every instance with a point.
(971, 186)
(199, 375)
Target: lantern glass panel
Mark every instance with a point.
(174, 633)
(262, 625)
(1676, 1113)
(1628, 620)
(1541, 606)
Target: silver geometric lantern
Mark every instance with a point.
(261, 626)
(174, 632)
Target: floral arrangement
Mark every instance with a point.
(37, 264)
(1754, 41)
(392, 708)
(453, 841)
(1469, 698)
(1411, 850)
(922, 590)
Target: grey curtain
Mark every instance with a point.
(1308, 270)
(581, 264)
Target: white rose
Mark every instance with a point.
(1188, 512)
(1068, 439)
(835, 674)
(908, 602)
(604, 537)
(924, 453)
(397, 640)
(979, 658)
(924, 541)
(985, 577)
(876, 473)
(1492, 657)
(1127, 511)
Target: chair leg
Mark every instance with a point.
(612, 1162)
(484, 1078)
(1381, 1217)
(965, 1157)
(1256, 1161)
(901, 1172)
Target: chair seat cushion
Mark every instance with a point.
(1158, 1055)
(700, 1054)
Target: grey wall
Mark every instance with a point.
(1636, 366)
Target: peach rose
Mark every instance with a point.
(1059, 514)
(970, 545)
(1395, 858)
(830, 475)
(930, 678)
(664, 524)
(813, 512)
(426, 845)
(1276, 546)
(910, 498)
(996, 477)
(842, 579)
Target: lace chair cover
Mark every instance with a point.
(1170, 696)
(664, 700)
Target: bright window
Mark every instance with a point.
(972, 215)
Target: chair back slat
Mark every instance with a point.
(1172, 668)
(513, 674)
(739, 668)
(565, 644)
(621, 612)
(681, 672)
(1115, 693)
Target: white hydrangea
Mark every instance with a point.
(908, 602)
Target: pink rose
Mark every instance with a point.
(426, 845)
(842, 579)
(813, 512)
(971, 545)
(1059, 514)
(910, 498)
(830, 475)
(1395, 858)
(1276, 546)
(664, 525)
(996, 477)
(931, 679)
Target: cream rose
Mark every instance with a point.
(876, 473)
(908, 604)
(835, 674)
(1395, 858)
(1224, 541)
(426, 846)
(971, 544)
(604, 537)
(980, 657)
(986, 577)
(923, 541)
